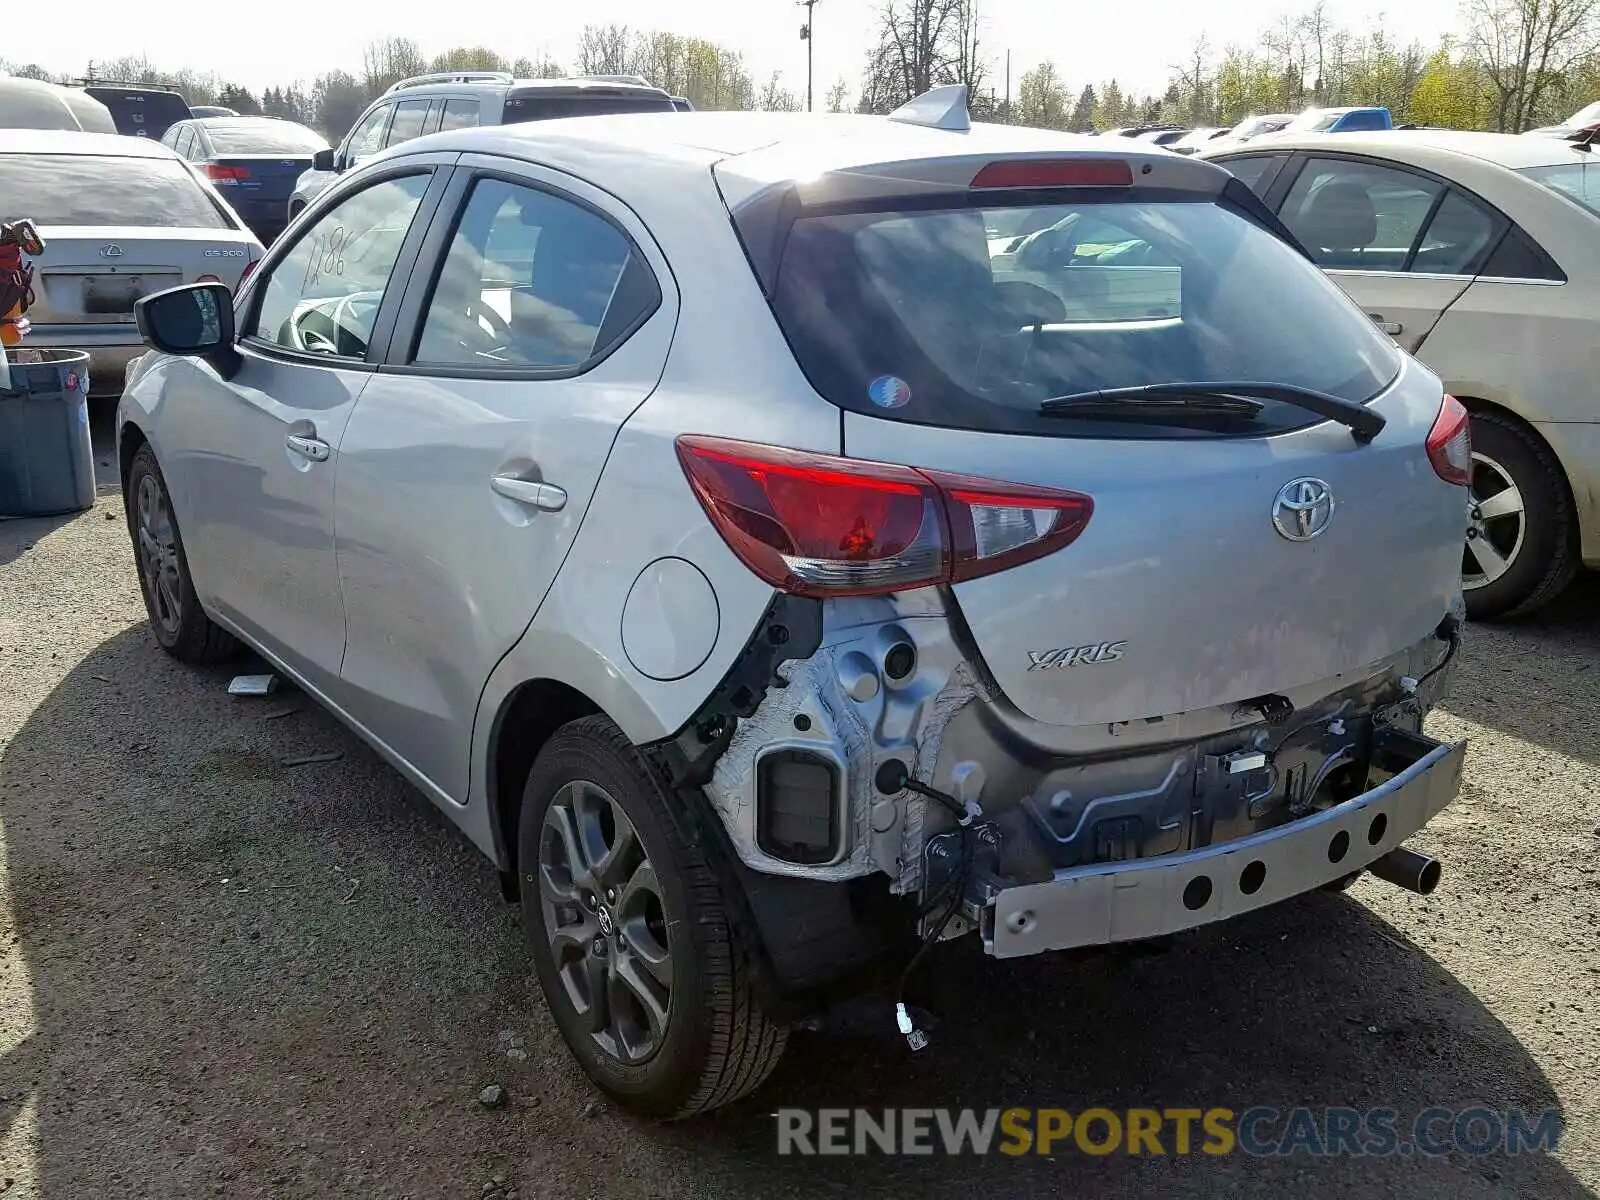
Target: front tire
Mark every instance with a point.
(1522, 538)
(177, 620)
(636, 938)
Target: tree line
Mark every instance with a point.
(1511, 65)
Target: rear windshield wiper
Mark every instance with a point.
(1229, 398)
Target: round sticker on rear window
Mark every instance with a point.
(888, 391)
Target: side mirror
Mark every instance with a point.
(195, 320)
(322, 160)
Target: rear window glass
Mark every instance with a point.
(88, 189)
(1578, 182)
(970, 318)
(229, 136)
(531, 106)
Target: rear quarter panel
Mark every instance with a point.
(729, 373)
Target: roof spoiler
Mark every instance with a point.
(937, 108)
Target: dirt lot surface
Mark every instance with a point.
(224, 975)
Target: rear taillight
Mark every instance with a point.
(219, 174)
(245, 274)
(818, 525)
(1450, 443)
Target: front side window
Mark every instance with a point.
(1358, 216)
(323, 296)
(366, 139)
(409, 117)
(91, 189)
(532, 280)
(970, 318)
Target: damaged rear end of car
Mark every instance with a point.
(1121, 608)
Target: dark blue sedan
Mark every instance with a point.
(253, 161)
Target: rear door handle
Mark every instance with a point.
(545, 496)
(1392, 328)
(311, 448)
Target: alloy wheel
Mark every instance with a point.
(1497, 524)
(158, 555)
(606, 921)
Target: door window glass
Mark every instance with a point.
(323, 296)
(533, 280)
(1457, 239)
(1253, 171)
(409, 118)
(367, 138)
(459, 114)
(1358, 216)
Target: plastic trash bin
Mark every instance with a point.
(46, 459)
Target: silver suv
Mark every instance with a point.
(782, 542)
(446, 100)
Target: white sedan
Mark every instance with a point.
(1480, 254)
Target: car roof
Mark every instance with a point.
(568, 86)
(640, 155)
(1509, 150)
(60, 141)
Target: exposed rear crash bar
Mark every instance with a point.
(1144, 898)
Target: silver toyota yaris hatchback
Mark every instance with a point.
(781, 542)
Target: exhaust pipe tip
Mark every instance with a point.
(1407, 869)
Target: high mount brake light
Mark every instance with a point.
(1054, 172)
(1450, 443)
(820, 525)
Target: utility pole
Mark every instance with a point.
(805, 36)
(1006, 111)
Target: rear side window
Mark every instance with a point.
(547, 106)
(1255, 171)
(1518, 256)
(1359, 121)
(1358, 216)
(1457, 239)
(533, 280)
(87, 189)
(459, 114)
(1578, 182)
(970, 318)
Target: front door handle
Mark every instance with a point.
(545, 496)
(312, 448)
(1392, 328)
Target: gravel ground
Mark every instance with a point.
(222, 975)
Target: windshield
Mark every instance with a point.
(1578, 182)
(970, 318)
(231, 136)
(1314, 121)
(88, 189)
(1255, 126)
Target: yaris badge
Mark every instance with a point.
(1303, 509)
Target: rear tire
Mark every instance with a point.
(637, 940)
(1522, 551)
(177, 620)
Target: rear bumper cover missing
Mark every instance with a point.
(1151, 897)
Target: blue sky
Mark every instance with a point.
(1136, 41)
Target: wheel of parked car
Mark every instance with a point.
(1521, 538)
(633, 935)
(176, 618)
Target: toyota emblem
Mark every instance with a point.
(1303, 509)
